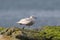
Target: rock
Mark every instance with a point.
(2, 37)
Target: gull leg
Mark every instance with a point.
(23, 27)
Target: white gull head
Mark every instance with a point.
(33, 17)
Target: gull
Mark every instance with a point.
(27, 21)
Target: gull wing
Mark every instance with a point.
(25, 21)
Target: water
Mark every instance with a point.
(47, 11)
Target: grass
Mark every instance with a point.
(43, 33)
